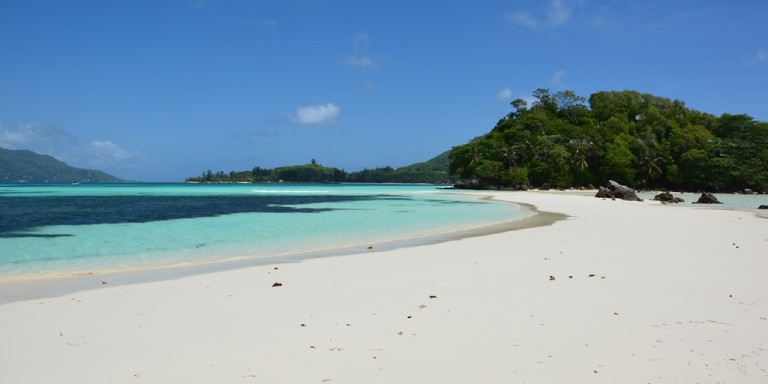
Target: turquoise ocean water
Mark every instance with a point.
(70, 229)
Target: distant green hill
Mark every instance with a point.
(434, 171)
(439, 163)
(30, 167)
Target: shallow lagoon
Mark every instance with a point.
(72, 229)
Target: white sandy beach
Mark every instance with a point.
(621, 292)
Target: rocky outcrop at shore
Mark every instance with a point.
(615, 190)
(666, 197)
(707, 198)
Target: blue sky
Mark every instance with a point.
(162, 90)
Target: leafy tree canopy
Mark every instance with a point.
(565, 140)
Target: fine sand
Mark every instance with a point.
(619, 292)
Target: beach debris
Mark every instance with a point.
(409, 316)
(591, 275)
(303, 325)
(763, 206)
(432, 297)
(707, 198)
(615, 190)
(370, 247)
(277, 285)
(103, 283)
(551, 278)
(570, 276)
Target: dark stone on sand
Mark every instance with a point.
(707, 198)
(666, 197)
(763, 207)
(277, 285)
(615, 190)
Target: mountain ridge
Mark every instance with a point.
(26, 166)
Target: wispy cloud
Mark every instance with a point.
(269, 22)
(360, 57)
(760, 57)
(317, 115)
(33, 136)
(53, 141)
(504, 95)
(521, 19)
(109, 153)
(198, 4)
(557, 13)
(558, 79)
(360, 62)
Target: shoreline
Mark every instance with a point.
(31, 287)
(619, 292)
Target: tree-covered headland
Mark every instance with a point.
(565, 140)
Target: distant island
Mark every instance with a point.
(24, 166)
(434, 171)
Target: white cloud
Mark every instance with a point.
(558, 79)
(521, 19)
(326, 114)
(559, 14)
(504, 95)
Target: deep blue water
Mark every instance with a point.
(22, 215)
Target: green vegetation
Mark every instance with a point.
(30, 167)
(434, 171)
(634, 138)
